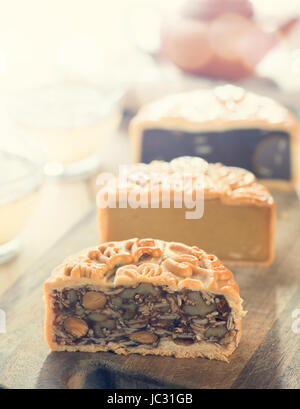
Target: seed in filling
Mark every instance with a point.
(183, 341)
(144, 337)
(140, 316)
(200, 307)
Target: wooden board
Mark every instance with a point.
(268, 355)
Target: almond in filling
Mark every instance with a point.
(140, 316)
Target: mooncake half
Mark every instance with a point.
(144, 296)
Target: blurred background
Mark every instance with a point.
(73, 73)
(110, 42)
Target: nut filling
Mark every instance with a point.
(140, 316)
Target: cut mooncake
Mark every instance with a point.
(144, 296)
(223, 124)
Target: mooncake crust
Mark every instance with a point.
(229, 184)
(222, 107)
(130, 262)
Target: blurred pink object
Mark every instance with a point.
(218, 38)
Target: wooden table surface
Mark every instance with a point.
(267, 357)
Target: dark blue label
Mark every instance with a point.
(265, 153)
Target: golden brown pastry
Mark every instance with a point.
(144, 296)
(238, 220)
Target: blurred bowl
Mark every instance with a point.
(21, 174)
(74, 120)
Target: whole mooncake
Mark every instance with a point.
(238, 219)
